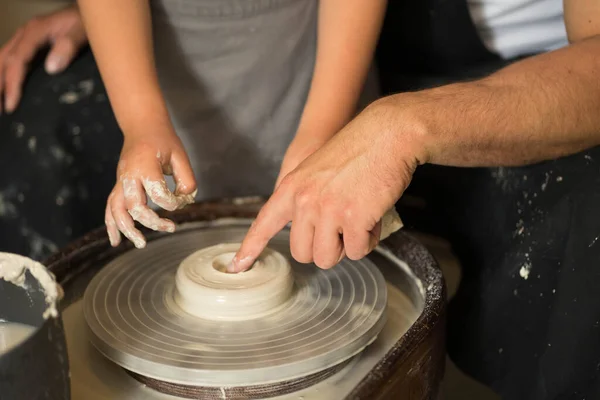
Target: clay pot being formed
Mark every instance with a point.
(412, 369)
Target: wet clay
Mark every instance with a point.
(13, 269)
(12, 334)
(390, 223)
(205, 289)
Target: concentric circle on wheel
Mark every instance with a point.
(331, 316)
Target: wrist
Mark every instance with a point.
(321, 120)
(147, 121)
(404, 118)
(314, 131)
(310, 139)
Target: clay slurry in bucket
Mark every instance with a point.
(12, 334)
(14, 270)
(33, 358)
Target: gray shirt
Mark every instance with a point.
(235, 75)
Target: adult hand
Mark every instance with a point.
(300, 148)
(62, 30)
(336, 198)
(145, 159)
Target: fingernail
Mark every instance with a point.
(53, 65)
(232, 266)
(180, 188)
(139, 243)
(171, 228)
(112, 240)
(9, 104)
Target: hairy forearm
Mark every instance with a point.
(541, 108)
(120, 35)
(347, 36)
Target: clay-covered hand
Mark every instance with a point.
(62, 30)
(145, 159)
(300, 148)
(336, 198)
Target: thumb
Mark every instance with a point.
(183, 174)
(61, 54)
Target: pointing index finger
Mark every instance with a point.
(272, 218)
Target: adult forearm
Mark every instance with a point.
(541, 108)
(120, 35)
(347, 36)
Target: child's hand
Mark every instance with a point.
(145, 159)
(62, 30)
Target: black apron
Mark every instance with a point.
(58, 156)
(526, 318)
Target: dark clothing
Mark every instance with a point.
(526, 318)
(58, 153)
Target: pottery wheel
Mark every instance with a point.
(133, 316)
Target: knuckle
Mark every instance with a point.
(119, 221)
(10, 60)
(116, 212)
(14, 69)
(131, 193)
(255, 233)
(328, 204)
(122, 165)
(348, 212)
(34, 23)
(288, 183)
(304, 198)
(136, 213)
(254, 224)
(111, 197)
